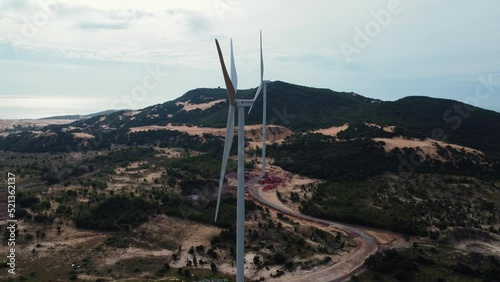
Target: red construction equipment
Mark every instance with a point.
(270, 187)
(271, 182)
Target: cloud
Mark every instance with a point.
(103, 25)
(194, 21)
(130, 15)
(83, 37)
(49, 54)
(13, 4)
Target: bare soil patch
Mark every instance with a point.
(332, 131)
(8, 124)
(187, 106)
(82, 135)
(428, 147)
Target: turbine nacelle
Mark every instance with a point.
(244, 103)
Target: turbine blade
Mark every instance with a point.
(255, 97)
(234, 75)
(229, 85)
(225, 156)
(261, 74)
(261, 60)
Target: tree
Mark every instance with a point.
(213, 267)
(256, 260)
(200, 249)
(279, 258)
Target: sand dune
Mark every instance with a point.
(189, 107)
(83, 135)
(275, 133)
(427, 147)
(332, 131)
(389, 128)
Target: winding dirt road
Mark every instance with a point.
(351, 264)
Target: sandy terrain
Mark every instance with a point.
(189, 107)
(169, 152)
(54, 249)
(176, 232)
(389, 129)
(292, 184)
(123, 179)
(69, 128)
(8, 124)
(83, 135)
(387, 239)
(172, 231)
(59, 250)
(332, 131)
(427, 146)
(132, 252)
(275, 133)
(131, 113)
(191, 130)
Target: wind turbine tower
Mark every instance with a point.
(240, 104)
(262, 87)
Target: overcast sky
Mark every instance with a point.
(82, 56)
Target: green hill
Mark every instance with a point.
(296, 107)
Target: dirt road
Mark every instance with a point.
(341, 271)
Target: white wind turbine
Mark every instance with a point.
(262, 85)
(231, 85)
